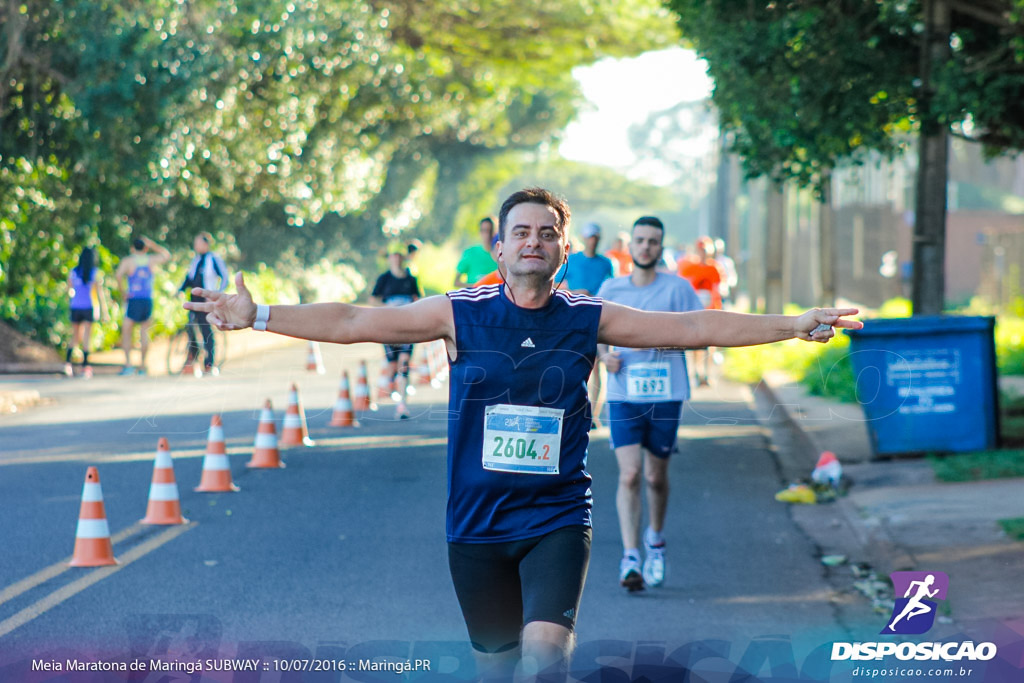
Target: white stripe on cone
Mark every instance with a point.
(92, 493)
(266, 441)
(93, 528)
(163, 492)
(216, 433)
(213, 461)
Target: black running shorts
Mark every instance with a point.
(82, 315)
(502, 586)
(393, 351)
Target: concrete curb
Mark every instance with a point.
(836, 528)
(31, 368)
(896, 516)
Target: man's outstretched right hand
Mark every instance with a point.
(226, 311)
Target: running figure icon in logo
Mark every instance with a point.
(914, 613)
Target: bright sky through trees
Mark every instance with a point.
(623, 92)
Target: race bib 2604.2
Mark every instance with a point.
(523, 439)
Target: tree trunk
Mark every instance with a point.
(723, 207)
(775, 249)
(929, 277)
(753, 263)
(826, 245)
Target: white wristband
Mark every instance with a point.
(262, 317)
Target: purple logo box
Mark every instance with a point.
(916, 594)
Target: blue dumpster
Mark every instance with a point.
(927, 383)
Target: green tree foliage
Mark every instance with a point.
(801, 86)
(805, 85)
(296, 130)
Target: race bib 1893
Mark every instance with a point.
(649, 381)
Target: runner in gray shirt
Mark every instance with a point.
(646, 390)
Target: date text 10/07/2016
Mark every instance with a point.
(397, 666)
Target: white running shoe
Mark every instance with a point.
(654, 565)
(629, 574)
(69, 371)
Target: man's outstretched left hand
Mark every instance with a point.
(818, 324)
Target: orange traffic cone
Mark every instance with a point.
(314, 361)
(361, 396)
(437, 359)
(385, 383)
(294, 431)
(343, 415)
(164, 505)
(421, 367)
(93, 547)
(216, 468)
(265, 453)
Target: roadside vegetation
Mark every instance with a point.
(1014, 528)
(825, 369)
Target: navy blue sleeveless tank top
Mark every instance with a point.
(509, 358)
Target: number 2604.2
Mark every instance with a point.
(519, 448)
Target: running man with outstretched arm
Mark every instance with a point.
(519, 502)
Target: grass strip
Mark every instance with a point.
(959, 467)
(1014, 528)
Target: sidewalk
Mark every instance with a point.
(896, 516)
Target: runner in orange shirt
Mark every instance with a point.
(704, 274)
(619, 254)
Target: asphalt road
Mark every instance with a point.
(342, 553)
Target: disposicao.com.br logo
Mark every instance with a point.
(913, 614)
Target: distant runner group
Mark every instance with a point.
(135, 281)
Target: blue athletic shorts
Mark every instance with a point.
(139, 310)
(652, 425)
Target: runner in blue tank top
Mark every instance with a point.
(519, 494)
(135, 275)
